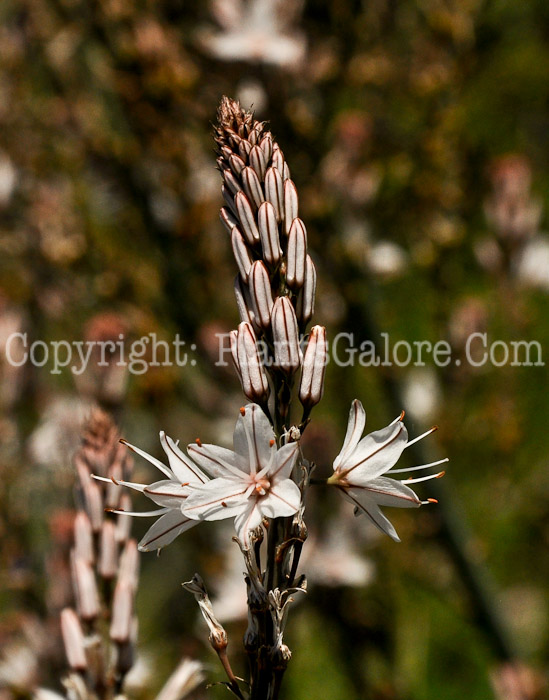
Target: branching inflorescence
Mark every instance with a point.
(262, 483)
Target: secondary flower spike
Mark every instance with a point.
(251, 482)
(361, 467)
(170, 494)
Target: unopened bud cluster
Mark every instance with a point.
(104, 562)
(276, 283)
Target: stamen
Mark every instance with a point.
(242, 411)
(432, 500)
(420, 437)
(400, 418)
(415, 469)
(198, 442)
(271, 443)
(141, 514)
(423, 478)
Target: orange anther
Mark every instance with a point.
(440, 475)
(242, 411)
(198, 442)
(271, 443)
(432, 500)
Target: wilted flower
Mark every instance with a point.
(361, 464)
(169, 493)
(250, 483)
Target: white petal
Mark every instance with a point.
(217, 461)
(389, 492)
(282, 500)
(365, 504)
(247, 520)
(375, 454)
(183, 468)
(252, 439)
(169, 494)
(216, 500)
(284, 462)
(157, 463)
(165, 530)
(355, 428)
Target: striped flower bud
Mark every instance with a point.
(260, 293)
(297, 255)
(231, 181)
(83, 537)
(123, 523)
(128, 571)
(108, 553)
(252, 373)
(306, 302)
(236, 163)
(268, 230)
(85, 588)
(285, 336)
(258, 162)
(228, 219)
(247, 219)
(73, 640)
(274, 191)
(122, 613)
(266, 146)
(290, 205)
(252, 186)
(229, 201)
(244, 303)
(233, 336)
(241, 253)
(311, 387)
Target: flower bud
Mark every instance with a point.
(241, 253)
(247, 220)
(122, 613)
(258, 162)
(311, 387)
(227, 218)
(85, 588)
(73, 640)
(306, 302)
(252, 373)
(108, 554)
(231, 181)
(260, 293)
(297, 255)
(244, 303)
(123, 523)
(285, 336)
(290, 205)
(274, 191)
(266, 146)
(268, 230)
(229, 201)
(252, 186)
(128, 571)
(83, 537)
(236, 163)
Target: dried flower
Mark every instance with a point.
(361, 464)
(250, 483)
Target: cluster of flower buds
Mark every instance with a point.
(275, 286)
(104, 563)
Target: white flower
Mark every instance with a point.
(361, 464)
(250, 483)
(169, 493)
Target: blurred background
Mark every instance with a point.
(417, 135)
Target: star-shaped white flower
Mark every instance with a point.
(360, 467)
(250, 483)
(170, 494)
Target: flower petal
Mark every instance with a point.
(375, 454)
(355, 428)
(216, 500)
(365, 504)
(169, 494)
(156, 462)
(247, 520)
(165, 530)
(390, 492)
(283, 499)
(253, 439)
(183, 468)
(284, 462)
(217, 461)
